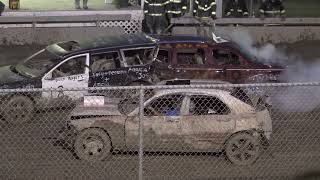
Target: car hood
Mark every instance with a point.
(11, 80)
(8, 76)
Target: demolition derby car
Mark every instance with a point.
(114, 60)
(195, 57)
(175, 120)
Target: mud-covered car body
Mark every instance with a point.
(193, 57)
(177, 120)
(106, 61)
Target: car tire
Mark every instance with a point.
(242, 149)
(93, 145)
(18, 109)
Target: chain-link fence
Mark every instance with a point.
(265, 131)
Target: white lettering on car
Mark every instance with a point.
(106, 73)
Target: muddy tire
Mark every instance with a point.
(242, 149)
(93, 145)
(18, 109)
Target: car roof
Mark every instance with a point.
(193, 91)
(110, 41)
(117, 40)
(181, 38)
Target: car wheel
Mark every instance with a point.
(93, 145)
(242, 149)
(18, 109)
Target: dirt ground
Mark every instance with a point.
(29, 152)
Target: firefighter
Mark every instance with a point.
(2, 6)
(176, 8)
(155, 15)
(236, 8)
(272, 8)
(204, 9)
(85, 4)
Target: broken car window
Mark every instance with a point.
(136, 57)
(224, 57)
(103, 62)
(71, 67)
(168, 105)
(190, 56)
(207, 105)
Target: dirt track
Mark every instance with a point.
(28, 153)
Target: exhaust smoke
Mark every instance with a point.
(296, 69)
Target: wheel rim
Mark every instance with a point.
(243, 150)
(19, 111)
(93, 146)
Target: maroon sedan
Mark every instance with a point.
(193, 57)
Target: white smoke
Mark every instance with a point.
(297, 69)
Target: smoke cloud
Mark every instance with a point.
(297, 69)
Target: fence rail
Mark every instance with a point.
(245, 131)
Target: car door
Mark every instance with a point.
(230, 65)
(137, 62)
(191, 63)
(161, 124)
(163, 65)
(208, 122)
(105, 69)
(73, 72)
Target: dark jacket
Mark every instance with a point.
(272, 7)
(155, 7)
(236, 8)
(176, 8)
(204, 8)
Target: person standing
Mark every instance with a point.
(236, 8)
(2, 6)
(155, 15)
(176, 8)
(85, 4)
(204, 9)
(272, 8)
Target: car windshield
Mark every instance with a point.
(37, 64)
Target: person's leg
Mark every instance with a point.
(77, 4)
(149, 22)
(2, 6)
(85, 4)
(163, 22)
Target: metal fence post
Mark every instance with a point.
(251, 9)
(219, 8)
(141, 114)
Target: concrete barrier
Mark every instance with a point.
(44, 36)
